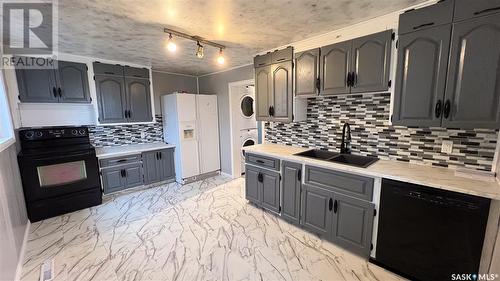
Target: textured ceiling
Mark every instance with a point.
(132, 30)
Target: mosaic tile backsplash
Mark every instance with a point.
(368, 115)
(116, 135)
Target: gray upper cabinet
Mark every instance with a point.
(112, 101)
(371, 62)
(37, 85)
(427, 17)
(73, 81)
(317, 210)
(353, 224)
(281, 91)
(139, 99)
(421, 77)
(263, 92)
(291, 187)
(307, 73)
(335, 65)
(473, 92)
(66, 84)
(123, 93)
(466, 9)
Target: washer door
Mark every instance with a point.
(246, 107)
(247, 142)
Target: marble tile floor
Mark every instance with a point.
(201, 231)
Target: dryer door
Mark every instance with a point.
(247, 106)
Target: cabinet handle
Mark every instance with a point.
(260, 161)
(330, 204)
(59, 91)
(122, 173)
(107, 72)
(487, 10)
(54, 92)
(272, 111)
(260, 178)
(349, 84)
(156, 156)
(447, 109)
(299, 175)
(438, 109)
(159, 153)
(318, 84)
(282, 59)
(423, 25)
(269, 111)
(335, 207)
(121, 161)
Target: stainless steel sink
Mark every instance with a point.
(347, 159)
(318, 154)
(354, 160)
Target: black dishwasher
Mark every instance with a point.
(429, 234)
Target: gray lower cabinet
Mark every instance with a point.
(307, 73)
(421, 77)
(66, 84)
(121, 177)
(352, 224)
(262, 187)
(291, 186)
(317, 209)
(472, 89)
(158, 165)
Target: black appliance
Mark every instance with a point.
(429, 234)
(59, 171)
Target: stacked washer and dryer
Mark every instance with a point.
(246, 122)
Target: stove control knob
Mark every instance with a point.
(74, 132)
(81, 132)
(39, 134)
(29, 134)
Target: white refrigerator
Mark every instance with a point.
(191, 123)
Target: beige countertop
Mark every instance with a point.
(436, 177)
(116, 151)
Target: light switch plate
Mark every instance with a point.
(447, 147)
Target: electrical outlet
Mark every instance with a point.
(143, 135)
(447, 147)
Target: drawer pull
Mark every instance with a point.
(260, 162)
(423, 25)
(282, 59)
(121, 160)
(487, 10)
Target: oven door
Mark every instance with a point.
(51, 176)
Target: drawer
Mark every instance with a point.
(430, 16)
(345, 183)
(136, 72)
(262, 60)
(263, 161)
(120, 160)
(466, 9)
(107, 69)
(282, 55)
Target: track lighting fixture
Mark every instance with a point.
(199, 50)
(170, 44)
(220, 58)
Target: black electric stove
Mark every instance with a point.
(59, 171)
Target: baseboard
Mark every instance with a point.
(227, 175)
(20, 262)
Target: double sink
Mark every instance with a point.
(341, 158)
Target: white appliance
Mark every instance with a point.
(190, 122)
(247, 138)
(246, 108)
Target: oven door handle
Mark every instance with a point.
(63, 156)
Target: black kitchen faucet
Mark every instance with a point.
(346, 139)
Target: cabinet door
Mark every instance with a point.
(306, 73)
(282, 95)
(353, 224)
(138, 99)
(291, 186)
(134, 175)
(472, 88)
(465, 9)
(317, 211)
(270, 190)
(37, 85)
(421, 77)
(335, 64)
(113, 179)
(252, 184)
(73, 82)
(167, 166)
(263, 92)
(371, 59)
(150, 162)
(112, 102)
